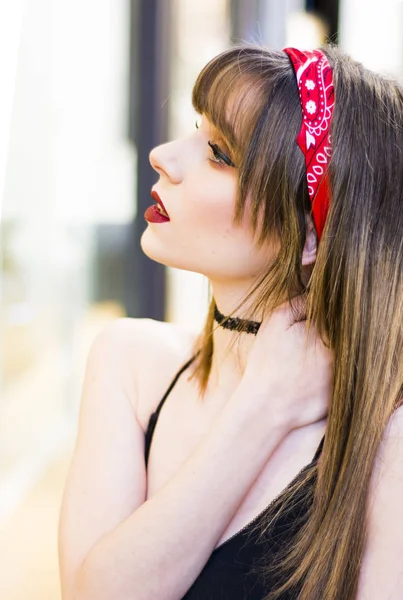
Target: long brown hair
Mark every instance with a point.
(355, 292)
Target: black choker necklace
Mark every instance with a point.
(236, 324)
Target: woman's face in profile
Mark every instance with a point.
(198, 190)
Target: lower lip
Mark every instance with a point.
(152, 215)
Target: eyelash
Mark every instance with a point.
(219, 157)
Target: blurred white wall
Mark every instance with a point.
(371, 32)
(10, 35)
(10, 32)
(69, 167)
(68, 154)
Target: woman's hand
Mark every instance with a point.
(289, 376)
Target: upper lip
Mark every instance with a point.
(155, 197)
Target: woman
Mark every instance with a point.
(276, 466)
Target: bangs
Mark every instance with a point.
(232, 91)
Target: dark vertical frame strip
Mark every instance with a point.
(150, 57)
(329, 9)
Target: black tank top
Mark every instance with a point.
(232, 571)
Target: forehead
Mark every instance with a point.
(231, 108)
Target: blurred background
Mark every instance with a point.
(90, 87)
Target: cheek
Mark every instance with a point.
(209, 203)
(207, 234)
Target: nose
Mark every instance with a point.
(164, 159)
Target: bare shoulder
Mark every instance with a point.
(381, 570)
(392, 438)
(395, 426)
(146, 354)
(390, 453)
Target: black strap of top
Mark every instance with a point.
(319, 449)
(154, 417)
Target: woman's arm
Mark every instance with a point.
(381, 575)
(160, 549)
(106, 481)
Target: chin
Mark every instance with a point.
(157, 250)
(171, 255)
(152, 248)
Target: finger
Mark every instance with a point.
(289, 314)
(298, 309)
(295, 311)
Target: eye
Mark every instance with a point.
(219, 156)
(197, 125)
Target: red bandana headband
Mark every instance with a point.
(316, 90)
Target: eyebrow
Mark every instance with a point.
(223, 141)
(218, 134)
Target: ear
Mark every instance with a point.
(311, 242)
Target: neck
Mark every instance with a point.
(231, 348)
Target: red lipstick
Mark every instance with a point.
(154, 213)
